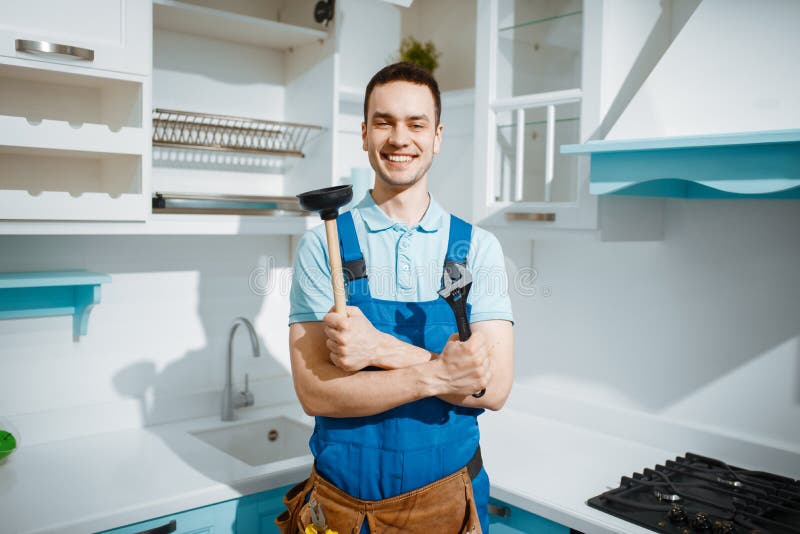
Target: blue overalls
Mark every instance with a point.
(409, 446)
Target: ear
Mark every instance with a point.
(437, 138)
(364, 136)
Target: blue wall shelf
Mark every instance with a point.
(739, 165)
(49, 293)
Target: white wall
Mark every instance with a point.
(156, 343)
(701, 328)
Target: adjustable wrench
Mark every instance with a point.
(457, 283)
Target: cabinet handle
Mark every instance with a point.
(172, 526)
(532, 216)
(43, 47)
(500, 511)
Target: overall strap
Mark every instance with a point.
(457, 242)
(353, 265)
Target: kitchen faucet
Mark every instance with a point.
(245, 397)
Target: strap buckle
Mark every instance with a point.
(354, 269)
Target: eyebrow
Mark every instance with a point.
(384, 115)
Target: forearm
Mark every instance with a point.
(396, 354)
(334, 393)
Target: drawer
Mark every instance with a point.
(114, 35)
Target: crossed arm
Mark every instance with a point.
(328, 357)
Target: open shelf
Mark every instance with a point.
(51, 293)
(58, 135)
(185, 17)
(72, 146)
(539, 21)
(172, 224)
(48, 184)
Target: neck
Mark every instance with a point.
(402, 205)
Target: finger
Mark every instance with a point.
(334, 320)
(354, 311)
(334, 334)
(333, 346)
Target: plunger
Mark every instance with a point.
(327, 202)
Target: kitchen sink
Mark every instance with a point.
(260, 442)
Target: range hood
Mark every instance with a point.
(718, 116)
(751, 164)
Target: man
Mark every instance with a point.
(391, 386)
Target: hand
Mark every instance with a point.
(464, 367)
(353, 341)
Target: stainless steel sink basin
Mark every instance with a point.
(260, 442)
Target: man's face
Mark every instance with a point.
(400, 135)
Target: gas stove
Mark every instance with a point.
(696, 494)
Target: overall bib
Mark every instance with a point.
(387, 454)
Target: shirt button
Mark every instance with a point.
(404, 267)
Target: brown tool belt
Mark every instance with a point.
(446, 505)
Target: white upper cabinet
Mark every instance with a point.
(74, 111)
(530, 77)
(110, 35)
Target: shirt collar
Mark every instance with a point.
(376, 220)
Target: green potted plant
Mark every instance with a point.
(424, 55)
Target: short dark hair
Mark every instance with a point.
(405, 72)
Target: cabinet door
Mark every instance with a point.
(117, 32)
(206, 520)
(255, 514)
(513, 520)
(251, 514)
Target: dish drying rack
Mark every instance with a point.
(187, 129)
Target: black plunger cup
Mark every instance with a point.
(327, 202)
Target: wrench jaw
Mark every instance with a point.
(456, 275)
(457, 282)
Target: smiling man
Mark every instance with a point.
(396, 439)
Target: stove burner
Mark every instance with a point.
(697, 494)
(677, 514)
(700, 522)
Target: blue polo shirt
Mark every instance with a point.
(404, 263)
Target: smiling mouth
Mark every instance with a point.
(397, 160)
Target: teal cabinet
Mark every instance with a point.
(252, 514)
(507, 519)
(255, 514)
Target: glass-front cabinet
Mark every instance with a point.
(530, 74)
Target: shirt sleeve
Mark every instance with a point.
(311, 295)
(489, 293)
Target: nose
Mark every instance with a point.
(399, 136)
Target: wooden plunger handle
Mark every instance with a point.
(335, 259)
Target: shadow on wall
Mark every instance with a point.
(228, 286)
(224, 292)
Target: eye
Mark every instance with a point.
(418, 126)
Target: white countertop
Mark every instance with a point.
(107, 480)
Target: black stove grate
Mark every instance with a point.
(697, 494)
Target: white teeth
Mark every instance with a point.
(398, 159)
